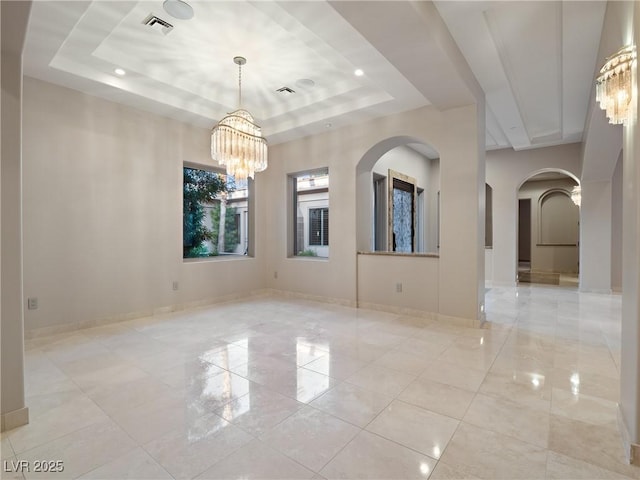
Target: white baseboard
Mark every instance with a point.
(631, 449)
(461, 322)
(70, 327)
(14, 419)
(498, 283)
(604, 291)
(345, 302)
(410, 312)
(59, 329)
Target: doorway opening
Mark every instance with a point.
(548, 230)
(524, 236)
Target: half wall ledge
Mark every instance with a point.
(401, 254)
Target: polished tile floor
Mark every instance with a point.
(278, 388)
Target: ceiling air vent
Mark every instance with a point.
(158, 24)
(285, 90)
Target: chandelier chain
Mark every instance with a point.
(239, 85)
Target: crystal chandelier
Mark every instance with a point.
(576, 195)
(237, 142)
(614, 88)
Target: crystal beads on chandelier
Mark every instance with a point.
(614, 87)
(576, 195)
(237, 143)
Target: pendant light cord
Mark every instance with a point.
(239, 85)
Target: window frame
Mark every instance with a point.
(249, 248)
(407, 184)
(324, 225)
(297, 233)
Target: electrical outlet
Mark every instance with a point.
(399, 287)
(32, 303)
(175, 285)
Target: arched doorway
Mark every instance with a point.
(548, 230)
(397, 197)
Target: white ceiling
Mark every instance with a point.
(535, 61)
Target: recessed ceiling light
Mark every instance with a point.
(305, 83)
(358, 73)
(120, 71)
(178, 9)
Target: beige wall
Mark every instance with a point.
(103, 212)
(345, 152)
(506, 171)
(630, 354)
(595, 238)
(622, 23)
(552, 258)
(408, 284)
(13, 413)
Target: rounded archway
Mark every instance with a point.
(549, 173)
(548, 231)
(397, 196)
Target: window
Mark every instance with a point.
(309, 214)
(215, 214)
(319, 226)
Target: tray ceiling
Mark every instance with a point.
(534, 60)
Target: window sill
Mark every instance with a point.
(217, 258)
(308, 258)
(401, 254)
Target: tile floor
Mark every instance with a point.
(274, 388)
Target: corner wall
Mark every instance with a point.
(103, 213)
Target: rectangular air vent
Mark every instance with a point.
(285, 90)
(158, 24)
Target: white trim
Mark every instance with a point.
(631, 450)
(70, 327)
(14, 419)
(602, 291)
(429, 316)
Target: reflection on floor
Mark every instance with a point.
(273, 388)
(526, 275)
(539, 277)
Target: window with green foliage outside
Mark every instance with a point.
(215, 214)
